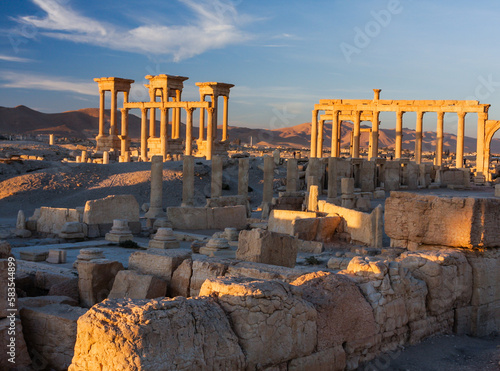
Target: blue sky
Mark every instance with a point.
(283, 56)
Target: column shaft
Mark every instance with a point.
(292, 175)
(112, 125)
(332, 178)
(188, 181)
(439, 139)
(460, 139)
(144, 134)
(418, 137)
(243, 167)
(164, 133)
(189, 131)
(210, 133)
(399, 134)
(267, 193)
(101, 113)
(216, 185)
(335, 134)
(481, 160)
(225, 124)
(319, 147)
(152, 122)
(214, 114)
(314, 134)
(374, 137)
(155, 207)
(201, 135)
(356, 134)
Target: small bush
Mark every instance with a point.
(129, 244)
(311, 260)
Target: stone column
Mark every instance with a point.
(155, 208)
(439, 139)
(481, 159)
(312, 201)
(189, 131)
(332, 179)
(112, 124)
(124, 132)
(356, 134)
(374, 137)
(210, 134)
(418, 137)
(314, 133)
(267, 193)
(144, 134)
(101, 113)
(105, 158)
(174, 120)
(335, 134)
(214, 114)
(164, 133)
(152, 122)
(319, 147)
(399, 134)
(188, 181)
(460, 139)
(243, 166)
(292, 175)
(178, 115)
(225, 123)
(201, 135)
(216, 186)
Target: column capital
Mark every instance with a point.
(482, 115)
(461, 114)
(440, 114)
(144, 110)
(210, 109)
(190, 110)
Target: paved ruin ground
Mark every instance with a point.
(27, 184)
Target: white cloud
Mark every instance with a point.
(10, 58)
(23, 80)
(215, 24)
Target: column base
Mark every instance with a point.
(155, 212)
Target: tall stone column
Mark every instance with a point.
(210, 134)
(124, 133)
(164, 133)
(418, 137)
(101, 113)
(243, 167)
(460, 139)
(152, 122)
(319, 147)
(356, 134)
(314, 134)
(189, 131)
(267, 193)
(144, 134)
(112, 124)
(332, 178)
(188, 181)
(439, 139)
(335, 134)
(155, 208)
(399, 133)
(481, 159)
(201, 134)
(215, 104)
(174, 120)
(374, 136)
(178, 115)
(216, 185)
(292, 175)
(225, 124)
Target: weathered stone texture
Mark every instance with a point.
(96, 278)
(22, 357)
(105, 210)
(204, 269)
(412, 220)
(130, 284)
(51, 331)
(156, 335)
(181, 280)
(267, 247)
(273, 324)
(52, 220)
(159, 263)
(208, 217)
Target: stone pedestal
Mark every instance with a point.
(120, 232)
(162, 223)
(164, 239)
(56, 256)
(231, 234)
(213, 246)
(89, 254)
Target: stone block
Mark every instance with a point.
(42, 301)
(5, 250)
(157, 262)
(347, 186)
(207, 218)
(105, 210)
(51, 331)
(52, 220)
(281, 221)
(181, 280)
(497, 190)
(16, 351)
(73, 230)
(133, 285)
(313, 247)
(95, 280)
(263, 271)
(34, 256)
(273, 324)
(227, 217)
(66, 288)
(204, 269)
(188, 217)
(333, 359)
(267, 247)
(157, 335)
(56, 256)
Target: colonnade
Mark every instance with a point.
(358, 110)
(164, 87)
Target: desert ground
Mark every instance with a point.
(28, 184)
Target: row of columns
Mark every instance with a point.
(317, 136)
(212, 113)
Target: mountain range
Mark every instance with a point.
(84, 123)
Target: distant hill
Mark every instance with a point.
(84, 123)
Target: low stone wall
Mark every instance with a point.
(364, 228)
(51, 219)
(208, 217)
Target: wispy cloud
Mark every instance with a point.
(11, 79)
(10, 58)
(215, 24)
